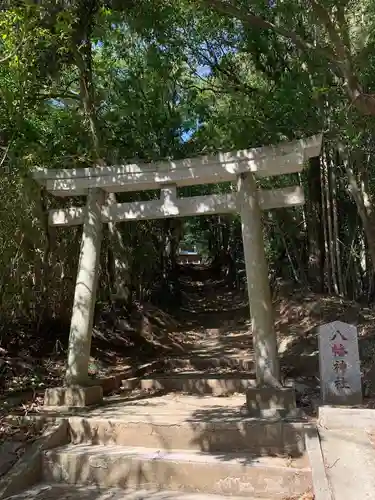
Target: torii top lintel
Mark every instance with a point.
(283, 158)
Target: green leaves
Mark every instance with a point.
(172, 79)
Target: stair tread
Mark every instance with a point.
(181, 417)
(174, 408)
(195, 375)
(50, 491)
(175, 455)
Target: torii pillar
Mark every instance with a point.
(78, 390)
(268, 397)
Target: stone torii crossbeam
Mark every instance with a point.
(242, 167)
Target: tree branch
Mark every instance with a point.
(215, 90)
(339, 57)
(232, 78)
(12, 54)
(5, 154)
(324, 19)
(60, 95)
(227, 8)
(341, 43)
(344, 28)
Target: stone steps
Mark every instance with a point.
(219, 431)
(193, 383)
(73, 492)
(240, 474)
(175, 443)
(205, 360)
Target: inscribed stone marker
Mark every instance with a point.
(340, 372)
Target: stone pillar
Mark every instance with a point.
(85, 292)
(261, 311)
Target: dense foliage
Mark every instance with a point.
(96, 82)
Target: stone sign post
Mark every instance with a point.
(340, 372)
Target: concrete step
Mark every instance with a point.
(208, 359)
(193, 383)
(47, 491)
(215, 431)
(238, 474)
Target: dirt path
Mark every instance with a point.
(214, 326)
(209, 334)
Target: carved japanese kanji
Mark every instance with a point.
(339, 350)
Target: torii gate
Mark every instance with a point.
(239, 166)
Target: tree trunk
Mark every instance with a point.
(327, 266)
(331, 245)
(315, 265)
(170, 286)
(45, 291)
(336, 230)
(83, 58)
(359, 197)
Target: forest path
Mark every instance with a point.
(214, 332)
(209, 334)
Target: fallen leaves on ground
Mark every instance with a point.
(15, 435)
(19, 429)
(308, 495)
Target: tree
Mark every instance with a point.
(334, 35)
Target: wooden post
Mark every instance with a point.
(264, 336)
(85, 292)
